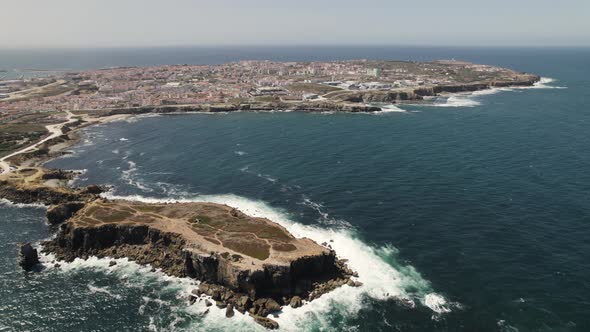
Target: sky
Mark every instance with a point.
(137, 23)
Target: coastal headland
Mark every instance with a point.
(244, 263)
(248, 264)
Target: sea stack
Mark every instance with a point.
(28, 257)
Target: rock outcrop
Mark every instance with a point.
(58, 214)
(266, 322)
(35, 194)
(28, 257)
(324, 106)
(30, 186)
(306, 276)
(245, 264)
(295, 302)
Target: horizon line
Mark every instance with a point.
(221, 46)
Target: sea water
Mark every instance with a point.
(468, 215)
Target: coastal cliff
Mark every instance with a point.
(323, 106)
(170, 252)
(244, 263)
(417, 94)
(351, 101)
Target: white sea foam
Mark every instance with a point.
(6, 202)
(459, 100)
(172, 189)
(266, 177)
(436, 303)
(390, 109)
(469, 99)
(505, 327)
(382, 277)
(269, 178)
(491, 91)
(103, 290)
(240, 153)
(123, 139)
(130, 273)
(542, 84)
(87, 142)
(133, 275)
(130, 176)
(325, 218)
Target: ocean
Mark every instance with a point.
(469, 215)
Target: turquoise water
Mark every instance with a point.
(457, 218)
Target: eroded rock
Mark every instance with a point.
(229, 311)
(266, 322)
(28, 256)
(58, 214)
(295, 302)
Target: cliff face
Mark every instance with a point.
(48, 196)
(35, 195)
(169, 251)
(417, 94)
(273, 106)
(139, 243)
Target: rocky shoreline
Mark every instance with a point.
(341, 101)
(414, 95)
(250, 265)
(259, 293)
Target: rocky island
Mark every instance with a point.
(244, 263)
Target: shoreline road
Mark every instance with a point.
(55, 130)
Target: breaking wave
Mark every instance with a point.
(469, 99)
(382, 276)
(246, 169)
(390, 109)
(130, 177)
(463, 100)
(103, 290)
(542, 84)
(5, 202)
(325, 218)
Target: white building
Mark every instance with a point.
(375, 72)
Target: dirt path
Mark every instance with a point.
(38, 89)
(55, 130)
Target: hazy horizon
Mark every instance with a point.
(286, 46)
(185, 23)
